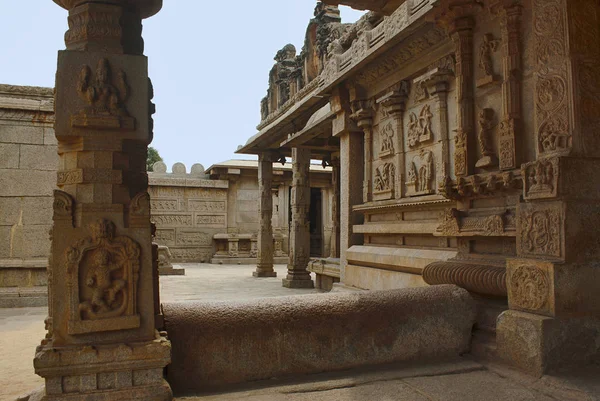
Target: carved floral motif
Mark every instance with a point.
(528, 288)
(540, 233)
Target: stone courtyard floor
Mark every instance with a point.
(461, 380)
(22, 329)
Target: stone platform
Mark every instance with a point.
(457, 380)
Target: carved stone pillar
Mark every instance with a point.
(351, 172)
(553, 283)
(101, 273)
(298, 276)
(335, 209)
(461, 31)
(264, 265)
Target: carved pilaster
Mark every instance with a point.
(298, 276)
(462, 36)
(362, 114)
(264, 264)
(394, 106)
(510, 128)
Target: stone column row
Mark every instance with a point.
(264, 266)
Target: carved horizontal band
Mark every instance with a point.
(481, 279)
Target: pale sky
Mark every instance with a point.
(209, 62)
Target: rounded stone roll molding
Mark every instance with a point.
(313, 333)
(197, 169)
(480, 279)
(159, 167)
(179, 168)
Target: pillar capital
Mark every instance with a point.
(143, 8)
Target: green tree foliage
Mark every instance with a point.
(153, 157)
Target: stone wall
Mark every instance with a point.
(28, 164)
(188, 209)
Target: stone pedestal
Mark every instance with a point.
(298, 276)
(165, 267)
(102, 342)
(264, 264)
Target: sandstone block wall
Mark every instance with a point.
(28, 164)
(188, 210)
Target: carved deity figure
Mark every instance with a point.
(419, 128)
(486, 126)
(412, 174)
(384, 177)
(541, 177)
(105, 288)
(425, 172)
(486, 49)
(103, 97)
(387, 141)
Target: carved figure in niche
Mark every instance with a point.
(108, 289)
(486, 64)
(425, 172)
(486, 126)
(387, 141)
(106, 99)
(420, 91)
(419, 128)
(103, 274)
(541, 177)
(554, 135)
(384, 177)
(420, 173)
(412, 174)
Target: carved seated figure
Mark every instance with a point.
(104, 300)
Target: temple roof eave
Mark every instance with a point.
(386, 7)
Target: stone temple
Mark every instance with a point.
(459, 198)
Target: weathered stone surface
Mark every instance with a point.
(9, 155)
(38, 157)
(313, 333)
(26, 182)
(18, 134)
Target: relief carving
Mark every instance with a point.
(387, 140)
(486, 127)
(541, 178)
(103, 274)
(529, 288)
(541, 233)
(64, 206)
(384, 180)
(164, 205)
(420, 174)
(486, 64)
(105, 96)
(419, 128)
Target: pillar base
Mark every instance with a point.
(115, 372)
(264, 274)
(296, 283)
(540, 344)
